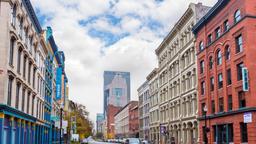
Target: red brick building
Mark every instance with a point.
(134, 120)
(127, 121)
(111, 111)
(226, 46)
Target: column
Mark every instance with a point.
(50, 134)
(179, 135)
(29, 132)
(33, 132)
(1, 127)
(18, 128)
(22, 131)
(11, 130)
(183, 135)
(189, 135)
(42, 134)
(188, 108)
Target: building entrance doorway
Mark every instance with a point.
(223, 134)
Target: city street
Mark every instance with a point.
(92, 141)
(127, 71)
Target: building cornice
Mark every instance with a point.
(224, 114)
(152, 74)
(32, 15)
(177, 27)
(210, 15)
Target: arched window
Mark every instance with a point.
(219, 58)
(227, 53)
(201, 46)
(14, 12)
(211, 62)
(237, 16)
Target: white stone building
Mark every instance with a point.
(143, 94)
(178, 80)
(153, 107)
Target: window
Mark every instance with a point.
(24, 66)
(202, 108)
(213, 106)
(19, 59)
(244, 134)
(28, 101)
(9, 99)
(239, 44)
(21, 28)
(219, 58)
(230, 104)
(239, 68)
(221, 104)
(209, 39)
(17, 95)
(237, 16)
(230, 133)
(30, 44)
(229, 77)
(220, 81)
(34, 77)
(211, 62)
(26, 36)
(201, 66)
(202, 88)
(226, 25)
(242, 101)
(37, 108)
(227, 53)
(12, 42)
(23, 100)
(14, 12)
(217, 32)
(29, 72)
(212, 83)
(201, 46)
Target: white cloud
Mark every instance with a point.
(135, 53)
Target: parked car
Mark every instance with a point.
(145, 142)
(132, 141)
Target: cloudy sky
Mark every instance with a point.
(98, 35)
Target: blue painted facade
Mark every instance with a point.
(60, 71)
(16, 127)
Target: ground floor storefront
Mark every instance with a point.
(154, 135)
(17, 127)
(235, 127)
(185, 132)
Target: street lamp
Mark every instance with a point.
(61, 110)
(206, 129)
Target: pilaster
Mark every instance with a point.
(1, 127)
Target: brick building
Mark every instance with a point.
(111, 111)
(225, 41)
(134, 119)
(127, 121)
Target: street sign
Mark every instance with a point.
(64, 123)
(162, 129)
(247, 117)
(55, 118)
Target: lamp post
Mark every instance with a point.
(206, 129)
(61, 110)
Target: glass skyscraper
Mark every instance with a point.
(116, 89)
